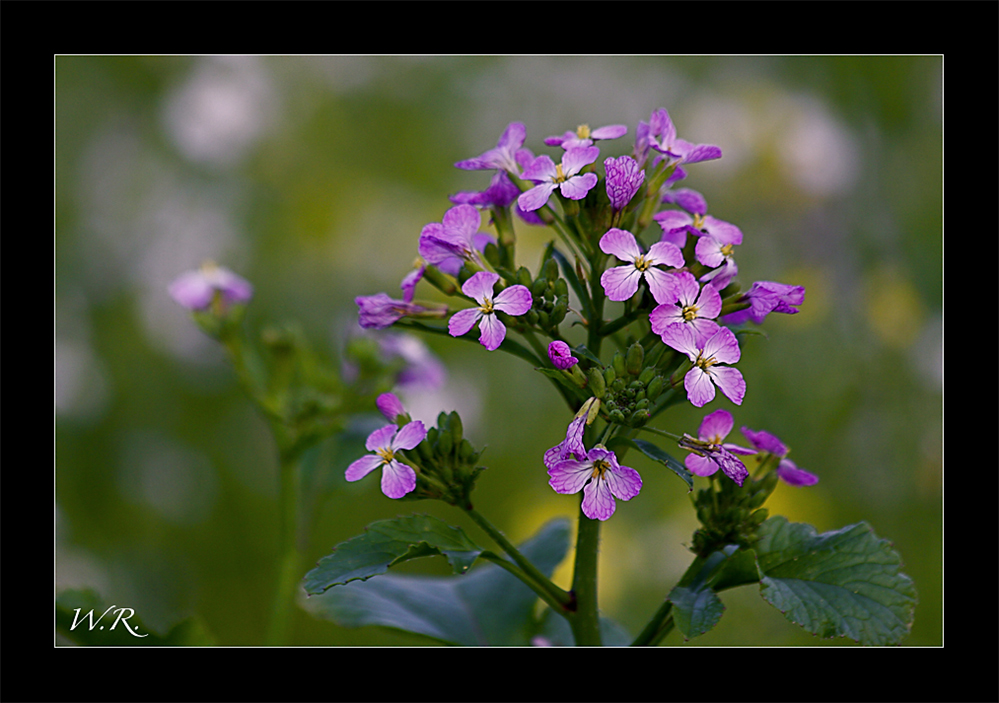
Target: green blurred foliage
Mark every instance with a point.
(312, 177)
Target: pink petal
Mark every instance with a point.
(665, 254)
(541, 169)
(624, 482)
(390, 406)
(536, 197)
(662, 285)
(731, 383)
(621, 282)
(682, 339)
(577, 187)
(686, 288)
(620, 243)
(574, 159)
(397, 479)
(723, 346)
(462, 321)
(709, 303)
(362, 467)
(569, 476)
(716, 426)
(663, 316)
(480, 286)
(700, 465)
(792, 475)
(492, 332)
(700, 389)
(514, 300)
(724, 232)
(409, 436)
(380, 438)
(598, 503)
(708, 251)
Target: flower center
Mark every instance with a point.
(559, 174)
(600, 468)
(689, 313)
(486, 307)
(641, 264)
(699, 222)
(703, 363)
(583, 131)
(386, 454)
(727, 250)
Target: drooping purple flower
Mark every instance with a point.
(705, 461)
(621, 282)
(766, 297)
(662, 138)
(453, 237)
(787, 470)
(513, 300)
(695, 306)
(572, 445)
(563, 176)
(380, 311)
(398, 479)
(561, 355)
(409, 281)
(195, 290)
(624, 178)
(584, 136)
(706, 373)
(601, 479)
(504, 156)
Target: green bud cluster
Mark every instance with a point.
(630, 387)
(447, 463)
(550, 293)
(732, 514)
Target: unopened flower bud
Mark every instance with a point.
(597, 383)
(635, 359)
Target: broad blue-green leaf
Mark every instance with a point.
(696, 606)
(695, 610)
(85, 619)
(488, 606)
(555, 632)
(845, 583)
(389, 542)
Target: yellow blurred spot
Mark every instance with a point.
(800, 504)
(893, 308)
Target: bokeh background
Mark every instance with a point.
(312, 177)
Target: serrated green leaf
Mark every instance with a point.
(488, 606)
(695, 610)
(389, 542)
(845, 583)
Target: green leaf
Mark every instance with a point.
(845, 583)
(85, 619)
(389, 542)
(487, 607)
(656, 454)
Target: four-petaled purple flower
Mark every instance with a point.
(561, 355)
(787, 470)
(721, 348)
(504, 156)
(584, 136)
(398, 479)
(695, 306)
(563, 176)
(624, 178)
(621, 282)
(195, 290)
(706, 460)
(513, 300)
(453, 237)
(380, 311)
(662, 138)
(600, 477)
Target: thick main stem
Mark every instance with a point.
(585, 622)
(288, 556)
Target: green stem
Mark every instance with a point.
(585, 622)
(557, 597)
(289, 558)
(658, 627)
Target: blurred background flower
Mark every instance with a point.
(313, 176)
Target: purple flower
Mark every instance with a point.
(513, 300)
(584, 136)
(501, 193)
(398, 479)
(601, 479)
(721, 348)
(716, 252)
(421, 370)
(196, 290)
(561, 355)
(787, 471)
(380, 311)
(624, 178)
(390, 406)
(621, 282)
(453, 237)
(695, 307)
(662, 138)
(572, 445)
(548, 176)
(676, 225)
(766, 297)
(706, 460)
(504, 156)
